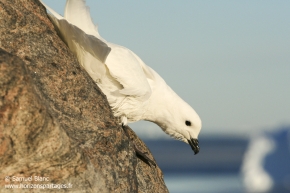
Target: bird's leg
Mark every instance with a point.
(140, 153)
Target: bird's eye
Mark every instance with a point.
(188, 123)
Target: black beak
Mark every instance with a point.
(194, 145)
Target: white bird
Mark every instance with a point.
(134, 90)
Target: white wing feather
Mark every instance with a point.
(77, 13)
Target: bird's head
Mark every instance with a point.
(182, 123)
(175, 117)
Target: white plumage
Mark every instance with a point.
(134, 90)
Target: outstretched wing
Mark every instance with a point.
(77, 13)
(77, 39)
(90, 51)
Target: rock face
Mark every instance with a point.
(55, 124)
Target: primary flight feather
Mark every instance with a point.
(134, 90)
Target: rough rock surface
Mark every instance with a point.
(54, 121)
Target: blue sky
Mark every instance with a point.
(230, 60)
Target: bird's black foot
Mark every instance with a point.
(143, 155)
